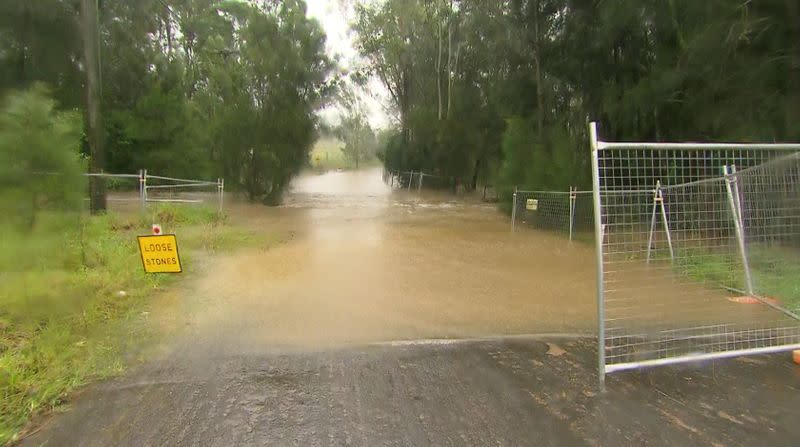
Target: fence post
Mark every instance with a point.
(514, 212)
(572, 198)
(144, 188)
(737, 223)
(221, 191)
(410, 179)
(141, 188)
(421, 176)
(666, 223)
(653, 220)
(598, 231)
(658, 202)
(738, 196)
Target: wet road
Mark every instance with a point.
(392, 318)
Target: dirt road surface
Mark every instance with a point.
(397, 318)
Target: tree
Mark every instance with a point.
(95, 134)
(199, 88)
(40, 165)
(279, 76)
(525, 76)
(358, 137)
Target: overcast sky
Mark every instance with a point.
(336, 17)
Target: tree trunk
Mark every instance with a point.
(449, 57)
(439, 66)
(94, 125)
(475, 174)
(792, 112)
(538, 69)
(405, 102)
(455, 68)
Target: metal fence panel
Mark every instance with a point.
(568, 212)
(126, 191)
(678, 228)
(159, 189)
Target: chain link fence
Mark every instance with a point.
(698, 251)
(568, 212)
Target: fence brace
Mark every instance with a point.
(730, 180)
(658, 202)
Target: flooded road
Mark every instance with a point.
(391, 318)
(368, 263)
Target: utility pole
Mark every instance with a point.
(90, 33)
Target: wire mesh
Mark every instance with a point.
(568, 212)
(770, 218)
(404, 179)
(679, 238)
(429, 181)
(123, 191)
(160, 189)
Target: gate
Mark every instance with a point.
(698, 251)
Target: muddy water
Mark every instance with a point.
(368, 263)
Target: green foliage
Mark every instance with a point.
(270, 89)
(359, 139)
(481, 86)
(327, 154)
(40, 166)
(775, 271)
(191, 88)
(533, 163)
(62, 320)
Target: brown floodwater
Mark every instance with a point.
(362, 262)
(368, 263)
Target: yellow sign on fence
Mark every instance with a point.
(160, 254)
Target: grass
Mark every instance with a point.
(775, 271)
(63, 319)
(327, 155)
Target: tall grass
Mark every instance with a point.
(72, 293)
(775, 271)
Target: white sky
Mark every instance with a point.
(335, 16)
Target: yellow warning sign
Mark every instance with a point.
(160, 254)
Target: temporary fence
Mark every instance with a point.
(389, 177)
(402, 179)
(431, 181)
(122, 189)
(489, 193)
(698, 251)
(178, 190)
(144, 188)
(568, 211)
(414, 180)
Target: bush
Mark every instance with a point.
(62, 320)
(40, 166)
(553, 161)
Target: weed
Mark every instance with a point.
(63, 321)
